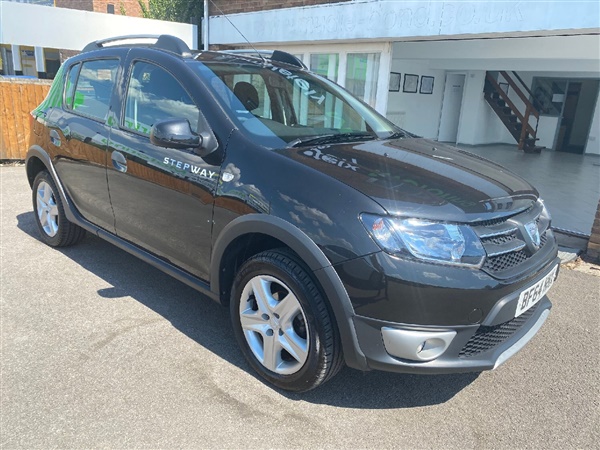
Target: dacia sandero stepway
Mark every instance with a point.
(331, 234)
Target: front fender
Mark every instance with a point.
(312, 256)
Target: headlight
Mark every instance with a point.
(545, 213)
(426, 240)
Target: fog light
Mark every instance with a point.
(416, 345)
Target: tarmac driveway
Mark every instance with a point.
(101, 350)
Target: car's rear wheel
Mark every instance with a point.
(55, 229)
(282, 322)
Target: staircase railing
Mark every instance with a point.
(530, 110)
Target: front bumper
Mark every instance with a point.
(491, 340)
(471, 350)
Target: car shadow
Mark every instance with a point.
(207, 323)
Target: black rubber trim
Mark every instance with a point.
(313, 257)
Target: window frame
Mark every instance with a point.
(78, 64)
(129, 75)
(81, 63)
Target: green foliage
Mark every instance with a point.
(185, 11)
(122, 9)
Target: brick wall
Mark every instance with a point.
(240, 6)
(82, 5)
(593, 249)
(132, 7)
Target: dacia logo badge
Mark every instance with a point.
(534, 233)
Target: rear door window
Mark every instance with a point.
(94, 88)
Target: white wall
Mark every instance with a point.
(363, 19)
(479, 124)
(417, 113)
(542, 54)
(45, 26)
(547, 131)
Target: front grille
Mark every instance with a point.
(486, 338)
(489, 223)
(501, 263)
(504, 262)
(499, 240)
(504, 243)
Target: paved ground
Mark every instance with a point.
(101, 350)
(568, 183)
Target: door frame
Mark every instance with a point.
(462, 100)
(562, 109)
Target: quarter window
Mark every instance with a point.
(94, 88)
(71, 82)
(154, 94)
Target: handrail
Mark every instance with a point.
(522, 83)
(504, 96)
(525, 125)
(522, 96)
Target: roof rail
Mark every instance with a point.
(273, 55)
(164, 42)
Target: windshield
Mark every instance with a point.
(285, 106)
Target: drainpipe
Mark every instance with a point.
(205, 26)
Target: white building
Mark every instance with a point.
(33, 36)
(424, 63)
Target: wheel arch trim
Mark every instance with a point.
(35, 151)
(312, 256)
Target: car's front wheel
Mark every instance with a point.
(282, 322)
(55, 229)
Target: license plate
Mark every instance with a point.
(534, 294)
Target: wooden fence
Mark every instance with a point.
(18, 97)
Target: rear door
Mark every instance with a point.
(79, 134)
(162, 197)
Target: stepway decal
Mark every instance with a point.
(340, 162)
(197, 170)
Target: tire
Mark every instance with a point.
(286, 331)
(55, 229)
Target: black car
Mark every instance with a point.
(334, 236)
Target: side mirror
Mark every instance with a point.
(174, 133)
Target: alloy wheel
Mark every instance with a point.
(47, 210)
(274, 325)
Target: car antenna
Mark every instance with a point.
(236, 29)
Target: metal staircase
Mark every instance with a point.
(517, 122)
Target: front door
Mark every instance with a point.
(162, 198)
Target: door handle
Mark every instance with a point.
(119, 161)
(55, 138)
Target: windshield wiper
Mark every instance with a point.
(398, 135)
(332, 138)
